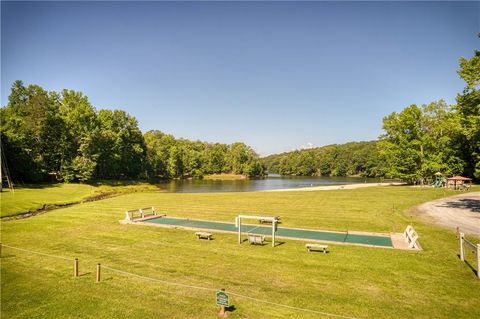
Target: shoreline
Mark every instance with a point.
(332, 187)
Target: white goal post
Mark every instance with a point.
(273, 220)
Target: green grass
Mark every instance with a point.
(33, 197)
(351, 281)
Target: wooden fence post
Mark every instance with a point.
(478, 261)
(462, 254)
(98, 273)
(75, 268)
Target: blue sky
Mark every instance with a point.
(275, 75)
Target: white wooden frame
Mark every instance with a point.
(238, 224)
(130, 214)
(411, 237)
(474, 248)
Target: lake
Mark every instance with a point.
(250, 185)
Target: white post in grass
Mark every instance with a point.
(274, 222)
(462, 254)
(239, 224)
(478, 261)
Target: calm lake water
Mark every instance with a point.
(249, 185)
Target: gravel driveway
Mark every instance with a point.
(461, 210)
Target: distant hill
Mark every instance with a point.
(349, 159)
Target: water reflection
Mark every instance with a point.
(249, 185)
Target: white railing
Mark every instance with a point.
(475, 249)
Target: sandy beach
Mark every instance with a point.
(332, 187)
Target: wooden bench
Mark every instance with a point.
(203, 235)
(256, 239)
(317, 247)
(265, 221)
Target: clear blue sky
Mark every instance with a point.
(276, 75)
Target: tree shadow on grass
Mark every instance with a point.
(465, 203)
(36, 186)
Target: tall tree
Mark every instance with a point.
(122, 149)
(30, 123)
(418, 142)
(468, 108)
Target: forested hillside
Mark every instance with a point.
(51, 136)
(350, 159)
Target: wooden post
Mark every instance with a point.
(458, 232)
(98, 273)
(75, 268)
(462, 254)
(274, 224)
(239, 230)
(222, 313)
(478, 261)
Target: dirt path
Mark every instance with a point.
(461, 210)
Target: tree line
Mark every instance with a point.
(51, 136)
(417, 142)
(62, 137)
(350, 159)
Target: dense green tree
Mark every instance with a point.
(158, 149)
(419, 142)
(80, 154)
(121, 147)
(31, 123)
(468, 109)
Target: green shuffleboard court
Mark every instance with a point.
(292, 233)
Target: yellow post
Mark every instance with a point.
(98, 272)
(75, 268)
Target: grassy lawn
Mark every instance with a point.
(33, 197)
(350, 281)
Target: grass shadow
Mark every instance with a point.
(230, 308)
(7, 256)
(85, 274)
(472, 268)
(319, 251)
